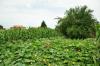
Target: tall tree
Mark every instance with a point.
(78, 22)
(43, 24)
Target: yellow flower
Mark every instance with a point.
(73, 62)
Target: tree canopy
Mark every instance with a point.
(78, 22)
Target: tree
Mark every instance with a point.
(43, 24)
(78, 22)
(1, 27)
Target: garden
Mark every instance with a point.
(74, 42)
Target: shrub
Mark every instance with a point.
(1, 27)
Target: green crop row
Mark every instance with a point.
(49, 52)
(25, 34)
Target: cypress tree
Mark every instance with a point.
(43, 24)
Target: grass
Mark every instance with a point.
(49, 52)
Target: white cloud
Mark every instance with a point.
(32, 12)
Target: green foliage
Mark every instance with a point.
(98, 32)
(25, 34)
(98, 40)
(49, 52)
(43, 25)
(1, 27)
(77, 23)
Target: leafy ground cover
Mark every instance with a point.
(49, 52)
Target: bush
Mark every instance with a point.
(77, 23)
(1, 27)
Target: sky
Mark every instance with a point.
(33, 12)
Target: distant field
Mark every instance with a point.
(49, 52)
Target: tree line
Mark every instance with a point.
(77, 23)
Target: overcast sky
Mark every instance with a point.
(32, 12)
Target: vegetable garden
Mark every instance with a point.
(49, 52)
(74, 42)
